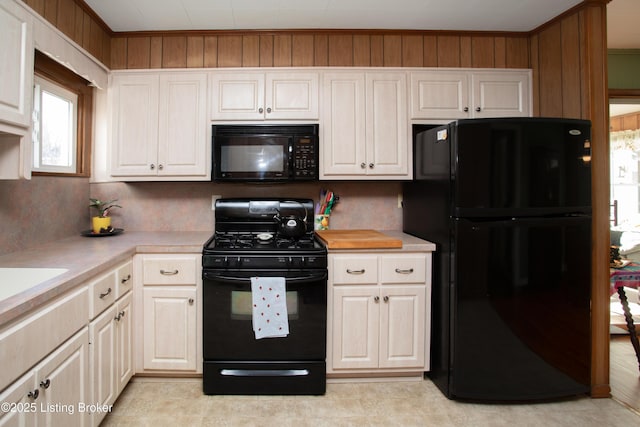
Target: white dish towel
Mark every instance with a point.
(270, 319)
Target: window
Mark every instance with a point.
(55, 112)
(62, 117)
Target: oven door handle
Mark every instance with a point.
(234, 279)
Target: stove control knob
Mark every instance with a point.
(239, 262)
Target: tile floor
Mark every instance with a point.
(181, 403)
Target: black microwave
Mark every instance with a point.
(246, 153)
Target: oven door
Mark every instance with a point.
(227, 317)
(251, 157)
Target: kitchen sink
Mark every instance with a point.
(16, 280)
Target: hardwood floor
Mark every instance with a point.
(624, 372)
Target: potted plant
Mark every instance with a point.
(102, 222)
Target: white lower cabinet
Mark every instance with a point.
(378, 320)
(169, 297)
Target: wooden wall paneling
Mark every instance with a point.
(571, 83)
(156, 45)
(266, 50)
(37, 5)
(51, 11)
(430, 51)
(282, 50)
(550, 66)
(106, 49)
(119, 53)
(412, 51)
(195, 52)
(138, 52)
(517, 53)
(302, 52)
(66, 17)
(466, 51)
(361, 50)
(251, 50)
(230, 51)
(341, 50)
(77, 26)
(483, 52)
(448, 51)
(95, 40)
(392, 50)
(535, 74)
(500, 52)
(321, 50)
(86, 31)
(210, 51)
(174, 52)
(377, 50)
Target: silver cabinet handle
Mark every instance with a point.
(120, 316)
(152, 166)
(405, 271)
(371, 165)
(363, 165)
(104, 294)
(45, 383)
(169, 273)
(386, 298)
(355, 271)
(376, 299)
(126, 279)
(33, 394)
(260, 110)
(160, 166)
(268, 109)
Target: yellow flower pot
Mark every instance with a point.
(100, 222)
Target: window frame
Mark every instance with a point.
(48, 69)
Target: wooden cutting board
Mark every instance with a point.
(357, 239)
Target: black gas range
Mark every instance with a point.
(243, 353)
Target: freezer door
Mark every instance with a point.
(520, 320)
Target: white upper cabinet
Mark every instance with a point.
(364, 126)
(258, 95)
(461, 94)
(159, 126)
(16, 67)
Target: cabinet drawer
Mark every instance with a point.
(124, 279)
(352, 269)
(27, 341)
(170, 270)
(102, 293)
(403, 268)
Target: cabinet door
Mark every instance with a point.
(21, 394)
(440, 95)
(169, 328)
(237, 96)
(63, 383)
(291, 96)
(102, 353)
(124, 341)
(355, 328)
(182, 125)
(134, 138)
(387, 125)
(343, 148)
(402, 327)
(501, 94)
(16, 69)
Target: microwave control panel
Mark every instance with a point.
(305, 158)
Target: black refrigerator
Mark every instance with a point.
(508, 204)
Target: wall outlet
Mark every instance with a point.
(213, 201)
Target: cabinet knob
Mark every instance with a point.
(152, 166)
(466, 109)
(376, 298)
(386, 298)
(268, 110)
(45, 383)
(371, 165)
(33, 394)
(478, 109)
(160, 166)
(260, 110)
(191, 301)
(363, 165)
